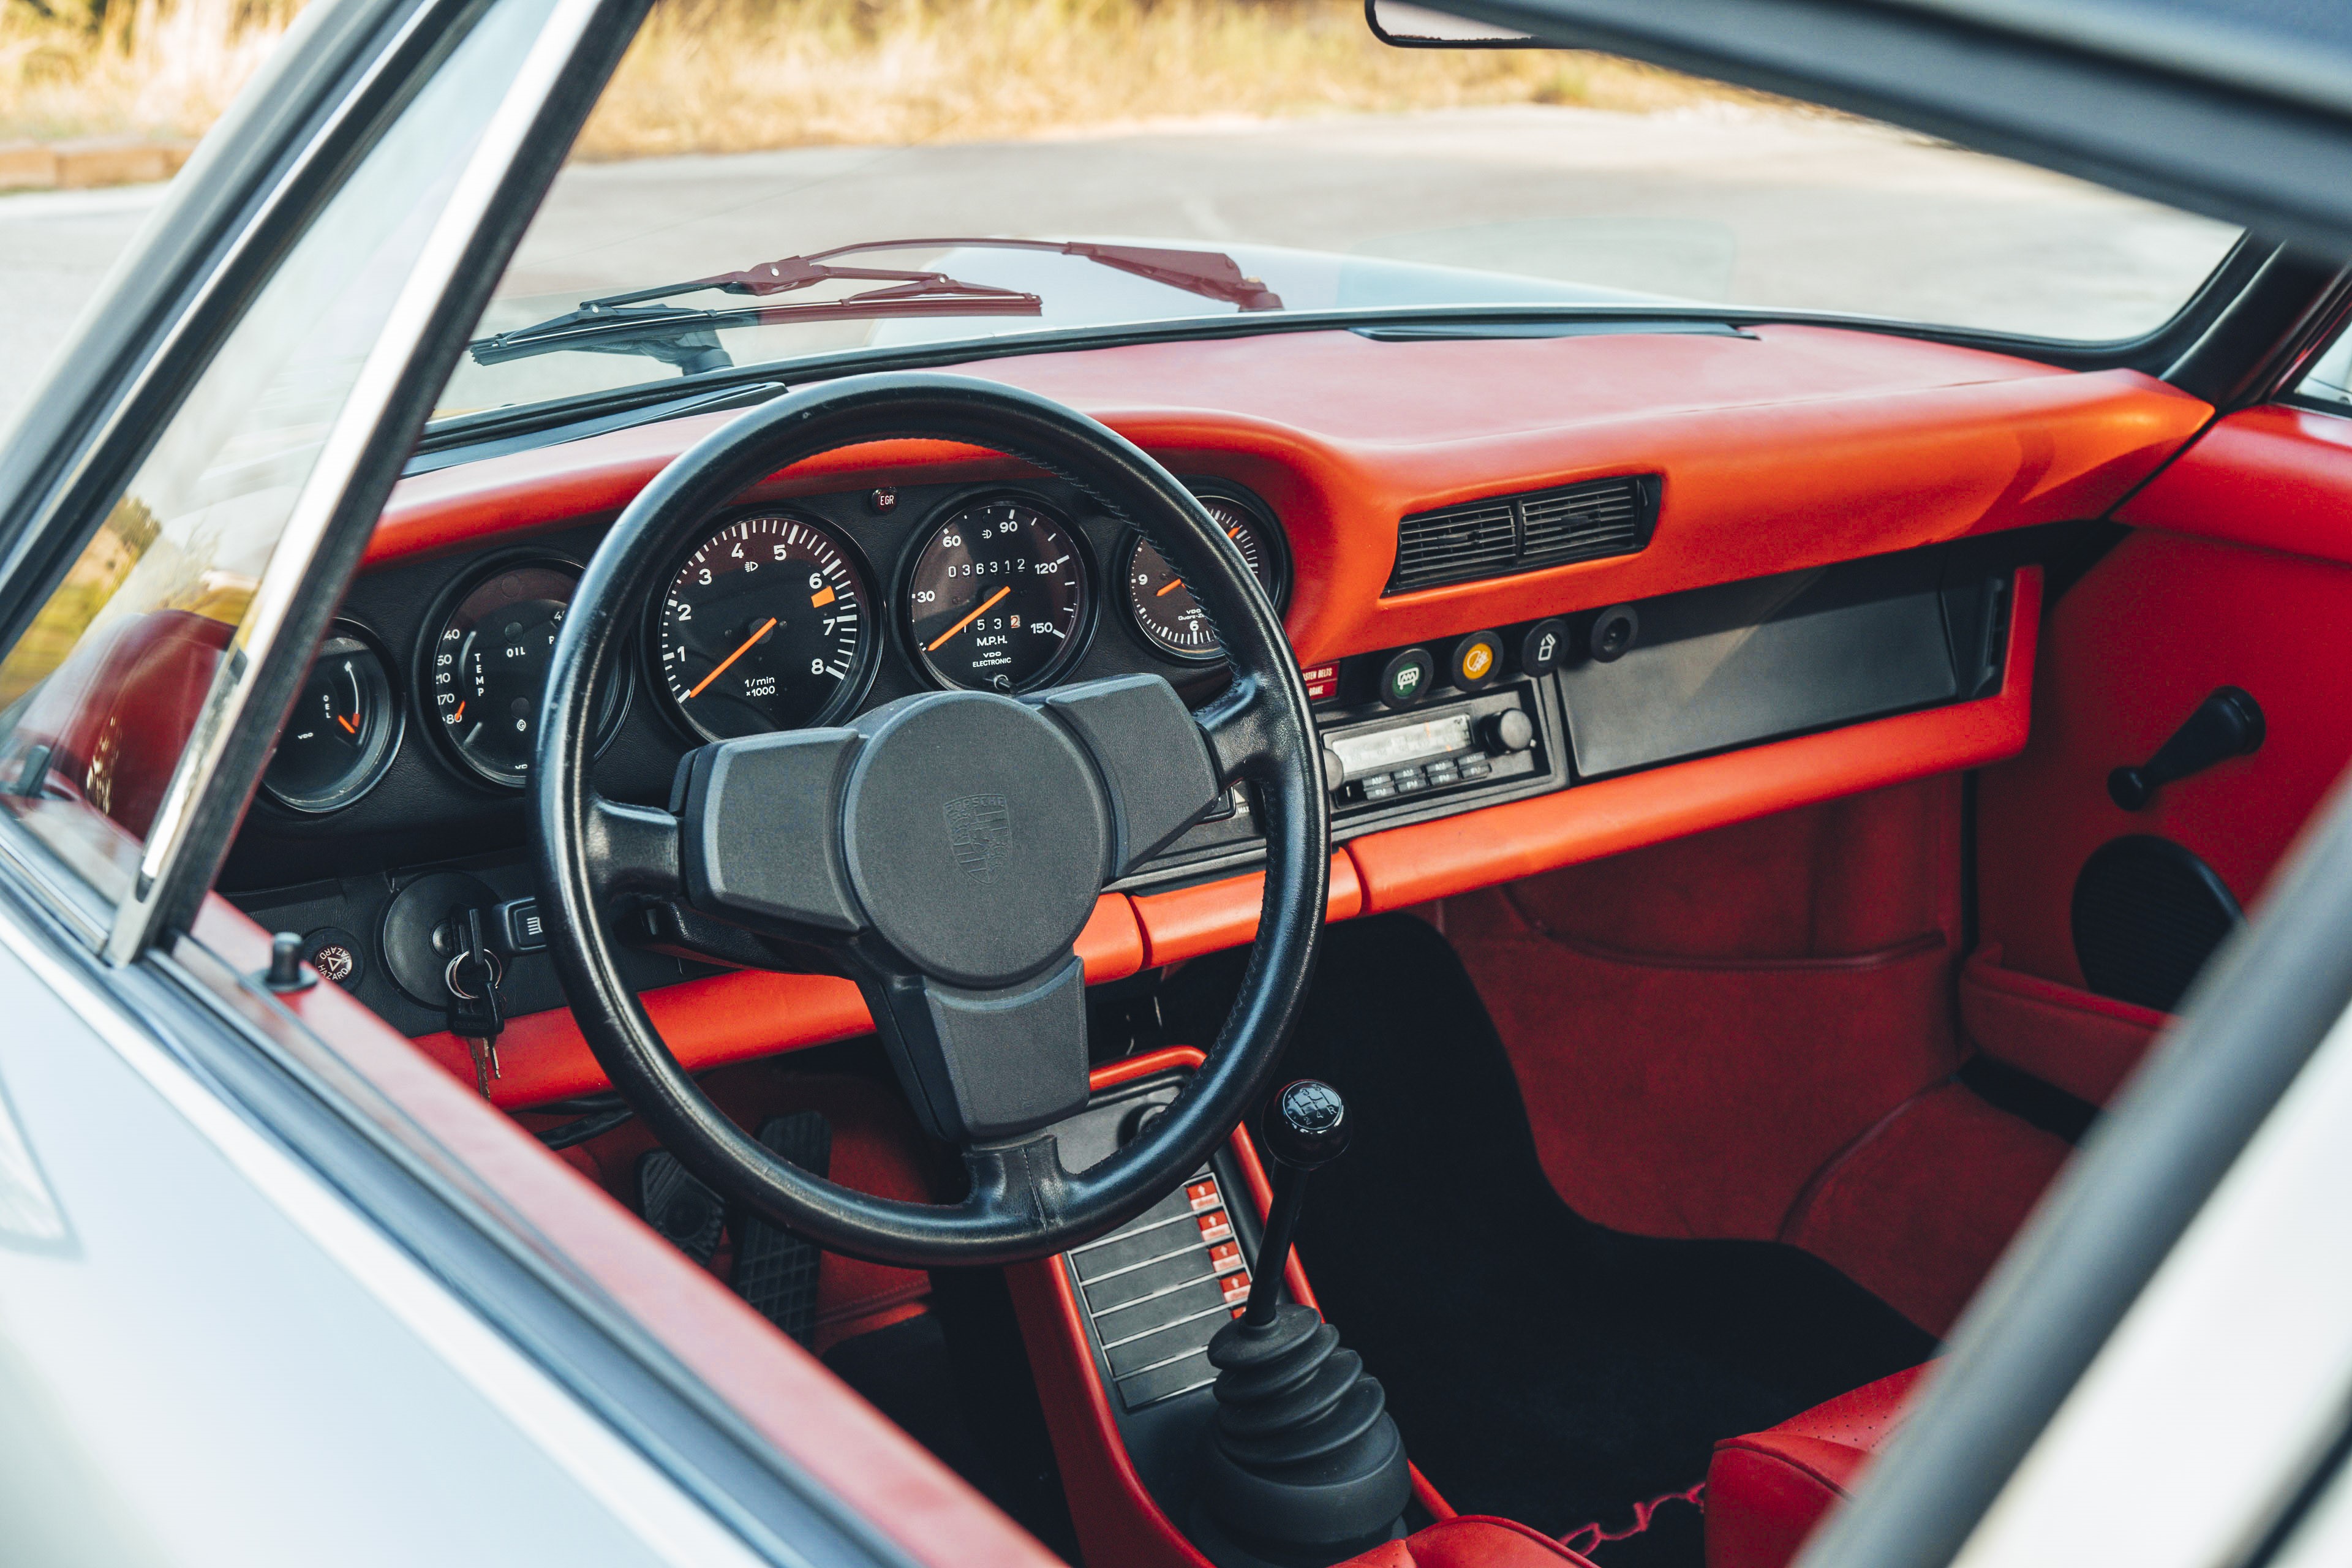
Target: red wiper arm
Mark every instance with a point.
(1209, 273)
(631, 323)
(801, 271)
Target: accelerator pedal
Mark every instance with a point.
(775, 1270)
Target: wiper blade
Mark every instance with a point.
(627, 323)
(634, 323)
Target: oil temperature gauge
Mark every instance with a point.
(1163, 608)
(342, 732)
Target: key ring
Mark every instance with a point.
(449, 977)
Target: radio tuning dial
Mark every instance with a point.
(1507, 731)
(1335, 772)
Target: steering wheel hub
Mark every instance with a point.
(975, 835)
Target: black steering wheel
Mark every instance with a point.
(943, 851)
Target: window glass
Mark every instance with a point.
(1706, 195)
(2329, 380)
(100, 694)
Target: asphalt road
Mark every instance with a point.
(1734, 205)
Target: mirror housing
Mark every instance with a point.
(1407, 27)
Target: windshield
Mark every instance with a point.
(1678, 193)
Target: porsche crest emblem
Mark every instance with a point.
(980, 829)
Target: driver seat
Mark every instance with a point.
(1765, 1492)
(1470, 1541)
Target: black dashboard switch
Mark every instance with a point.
(1477, 659)
(1407, 676)
(335, 953)
(1541, 647)
(518, 926)
(1613, 632)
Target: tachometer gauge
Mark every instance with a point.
(341, 736)
(1165, 610)
(997, 600)
(485, 670)
(765, 626)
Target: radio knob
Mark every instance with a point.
(1509, 731)
(1335, 772)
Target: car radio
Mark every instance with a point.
(1485, 739)
(1406, 735)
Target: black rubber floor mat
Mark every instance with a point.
(775, 1270)
(904, 1371)
(1541, 1367)
(687, 1214)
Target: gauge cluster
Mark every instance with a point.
(420, 718)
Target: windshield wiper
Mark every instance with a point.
(628, 324)
(632, 324)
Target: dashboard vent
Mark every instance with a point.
(1524, 533)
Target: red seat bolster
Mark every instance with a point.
(1470, 1541)
(1765, 1491)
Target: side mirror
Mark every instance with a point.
(1405, 26)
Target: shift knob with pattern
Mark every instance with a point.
(1306, 1126)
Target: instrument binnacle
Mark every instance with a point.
(773, 616)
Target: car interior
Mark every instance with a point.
(1779, 778)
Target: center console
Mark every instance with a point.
(1120, 1335)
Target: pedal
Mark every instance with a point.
(775, 1270)
(687, 1214)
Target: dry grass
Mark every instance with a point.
(150, 68)
(716, 76)
(723, 76)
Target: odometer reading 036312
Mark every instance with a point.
(765, 626)
(997, 600)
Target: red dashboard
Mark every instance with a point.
(1779, 448)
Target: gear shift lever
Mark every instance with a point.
(1306, 1128)
(1303, 1466)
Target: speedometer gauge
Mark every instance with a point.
(765, 626)
(1163, 608)
(997, 600)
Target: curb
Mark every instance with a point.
(81, 165)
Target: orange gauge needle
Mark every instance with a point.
(985, 605)
(1173, 583)
(460, 714)
(347, 724)
(731, 658)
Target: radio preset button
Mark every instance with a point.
(1472, 769)
(1378, 787)
(1407, 676)
(1440, 774)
